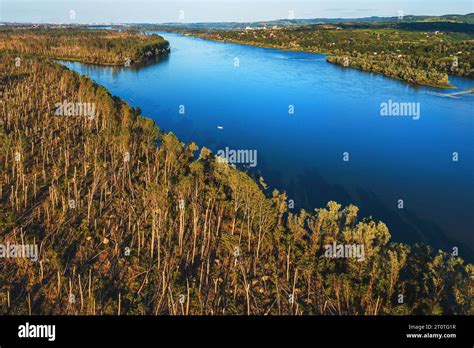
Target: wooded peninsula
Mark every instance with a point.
(86, 45)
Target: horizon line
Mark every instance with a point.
(238, 22)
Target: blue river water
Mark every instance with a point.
(318, 131)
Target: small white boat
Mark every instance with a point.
(220, 127)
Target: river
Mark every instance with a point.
(318, 131)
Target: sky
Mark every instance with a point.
(187, 11)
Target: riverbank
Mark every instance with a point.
(400, 64)
(291, 49)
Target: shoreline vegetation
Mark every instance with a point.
(130, 221)
(414, 56)
(329, 58)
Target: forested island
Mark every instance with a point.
(130, 220)
(419, 53)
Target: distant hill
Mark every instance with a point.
(451, 18)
